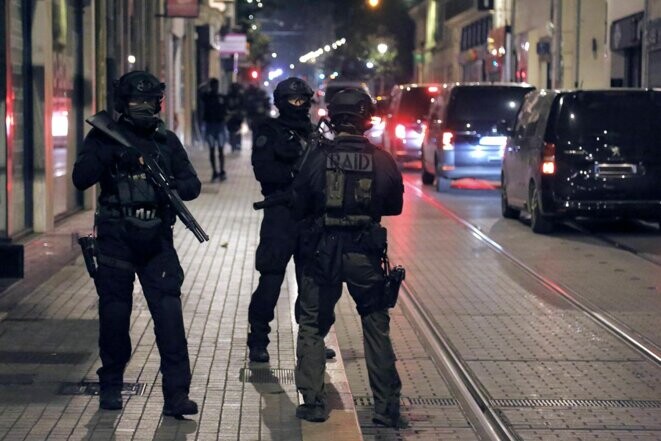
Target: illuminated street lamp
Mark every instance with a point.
(382, 48)
(373, 3)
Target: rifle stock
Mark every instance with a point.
(104, 122)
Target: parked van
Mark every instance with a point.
(584, 153)
(466, 134)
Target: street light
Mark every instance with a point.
(373, 3)
(382, 48)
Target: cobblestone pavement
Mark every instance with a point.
(48, 333)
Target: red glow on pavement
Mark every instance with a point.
(474, 184)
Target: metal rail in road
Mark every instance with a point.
(474, 399)
(615, 243)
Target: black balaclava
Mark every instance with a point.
(143, 114)
(295, 116)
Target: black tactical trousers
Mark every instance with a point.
(276, 247)
(157, 266)
(365, 282)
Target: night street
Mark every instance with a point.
(330, 220)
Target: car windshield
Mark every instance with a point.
(628, 120)
(485, 104)
(415, 102)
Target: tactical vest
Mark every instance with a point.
(349, 187)
(135, 197)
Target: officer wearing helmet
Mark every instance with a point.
(134, 228)
(278, 143)
(346, 189)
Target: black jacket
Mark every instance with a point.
(100, 154)
(277, 146)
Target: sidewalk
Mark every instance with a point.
(49, 354)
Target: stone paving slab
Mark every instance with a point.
(59, 316)
(426, 399)
(518, 338)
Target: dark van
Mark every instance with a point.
(466, 134)
(584, 154)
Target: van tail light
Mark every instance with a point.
(447, 141)
(400, 131)
(548, 159)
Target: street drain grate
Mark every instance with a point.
(266, 375)
(368, 401)
(34, 357)
(92, 388)
(646, 404)
(12, 379)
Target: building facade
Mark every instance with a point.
(547, 43)
(57, 67)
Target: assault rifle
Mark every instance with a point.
(104, 122)
(286, 197)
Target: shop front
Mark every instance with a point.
(65, 132)
(474, 39)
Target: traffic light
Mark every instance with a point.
(254, 74)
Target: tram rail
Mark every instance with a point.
(474, 399)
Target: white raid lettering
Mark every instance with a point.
(352, 161)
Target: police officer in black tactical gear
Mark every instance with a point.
(346, 189)
(277, 147)
(134, 230)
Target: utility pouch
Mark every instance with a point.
(334, 189)
(378, 238)
(308, 239)
(393, 280)
(88, 246)
(142, 231)
(327, 260)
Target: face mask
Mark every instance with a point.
(143, 114)
(296, 112)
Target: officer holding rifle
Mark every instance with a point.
(144, 174)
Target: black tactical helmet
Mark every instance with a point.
(137, 83)
(353, 106)
(291, 87)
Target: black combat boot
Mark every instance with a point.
(110, 398)
(312, 413)
(395, 420)
(329, 352)
(179, 405)
(259, 355)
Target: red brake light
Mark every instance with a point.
(432, 89)
(548, 159)
(400, 131)
(447, 141)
